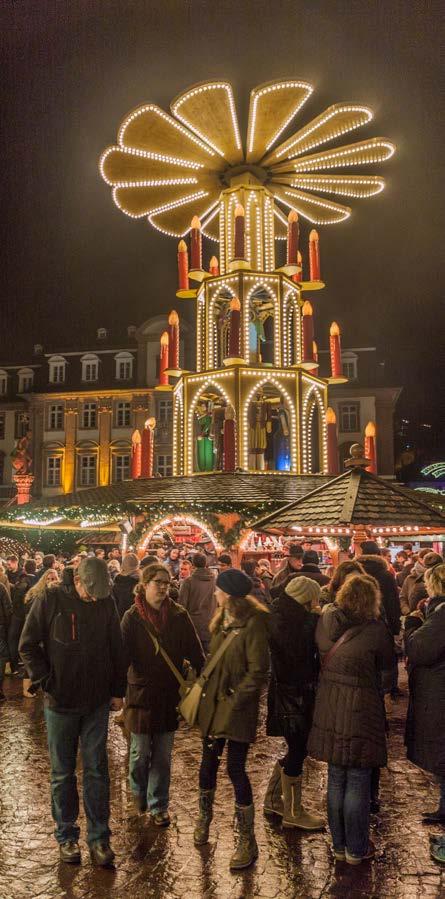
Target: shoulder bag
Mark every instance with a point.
(348, 635)
(191, 693)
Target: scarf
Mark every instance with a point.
(158, 620)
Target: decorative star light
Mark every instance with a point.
(170, 167)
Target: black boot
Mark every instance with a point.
(201, 832)
(102, 854)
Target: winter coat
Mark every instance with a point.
(412, 592)
(230, 699)
(311, 571)
(18, 593)
(425, 723)
(403, 573)
(5, 612)
(377, 568)
(73, 650)
(197, 595)
(152, 687)
(281, 577)
(260, 591)
(349, 718)
(123, 591)
(295, 665)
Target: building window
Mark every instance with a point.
(165, 467)
(123, 415)
(21, 425)
(165, 411)
(124, 366)
(57, 368)
(55, 417)
(53, 471)
(349, 362)
(89, 415)
(3, 383)
(26, 378)
(349, 417)
(87, 470)
(90, 368)
(2, 425)
(121, 467)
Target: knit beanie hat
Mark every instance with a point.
(234, 582)
(130, 563)
(370, 548)
(303, 589)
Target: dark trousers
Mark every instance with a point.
(4, 654)
(64, 734)
(296, 754)
(212, 751)
(15, 629)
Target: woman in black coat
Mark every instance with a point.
(291, 697)
(153, 691)
(425, 649)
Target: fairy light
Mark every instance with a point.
(213, 381)
(268, 378)
(178, 444)
(363, 115)
(268, 235)
(282, 218)
(216, 295)
(306, 424)
(341, 185)
(343, 212)
(207, 221)
(138, 215)
(152, 108)
(203, 88)
(175, 204)
(230, 228)
(222, 242)
(256, 95)
(144, 154)
(376, 149)
(200, 360)
(184, 519)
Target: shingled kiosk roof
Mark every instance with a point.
(356, 497)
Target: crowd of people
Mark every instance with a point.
(126, 634)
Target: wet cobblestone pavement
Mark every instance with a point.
(154, 864)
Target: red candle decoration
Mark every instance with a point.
(293, 236)
(214, 267)
(235, 329)
(299, 275)
(196, 244)
(308, 332)
(147, 448)
(240, 221)
(183, 266)
(173, 340)
(229, 439)
(163, 360)
(331, 425)
(136, 448)
(314, 256)
(370, 447)
(335, 348)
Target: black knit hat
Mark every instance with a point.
(370, 548)
(234, 582)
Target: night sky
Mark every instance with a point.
(71, 70)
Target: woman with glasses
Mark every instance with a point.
(153, 692)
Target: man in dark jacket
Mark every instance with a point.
(310, 568)
(197, 595)
(49, 561)
(291, 566)
(5, 620)
(72, 647)
(125, 583)
(24, 583)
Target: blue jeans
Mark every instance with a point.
(64, 733)
(150, 767)
(349, 795)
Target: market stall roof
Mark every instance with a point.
(355, 498)
(100, 538)
(131, 496)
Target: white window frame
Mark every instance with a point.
(346, 411)
(54, 471)
(87, 470)
(165, 465)
(122, 417)
(349, 360)
(53, 417)
(89, 416)
(121, 470)
(57, 369)
(26, 380)
(90, 368)
(165, 411)
(124, 366)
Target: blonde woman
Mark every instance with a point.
(36, 593)
(425, 649)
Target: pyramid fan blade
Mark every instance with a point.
(342, 185)
(329, 125)
(175, 219)
(208, 109)
(273, 105)
(150, 128)
(318, 210)
(376, 149)
(138, 201)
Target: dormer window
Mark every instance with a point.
(3, 382)
(57, 369)
(102, 333)
(124, 366)
(349, 361)
(90, 367)
(26, 379)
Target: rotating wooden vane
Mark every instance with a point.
(168, 168)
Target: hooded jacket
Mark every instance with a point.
(19, 591)
(425, 648)
(413, 590)
(349, 718)
(377, 568)
(197, 595)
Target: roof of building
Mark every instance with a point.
(356, 497)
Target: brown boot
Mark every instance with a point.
(202, 827)
(273, 800)
(294, 814)
(246, 850)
